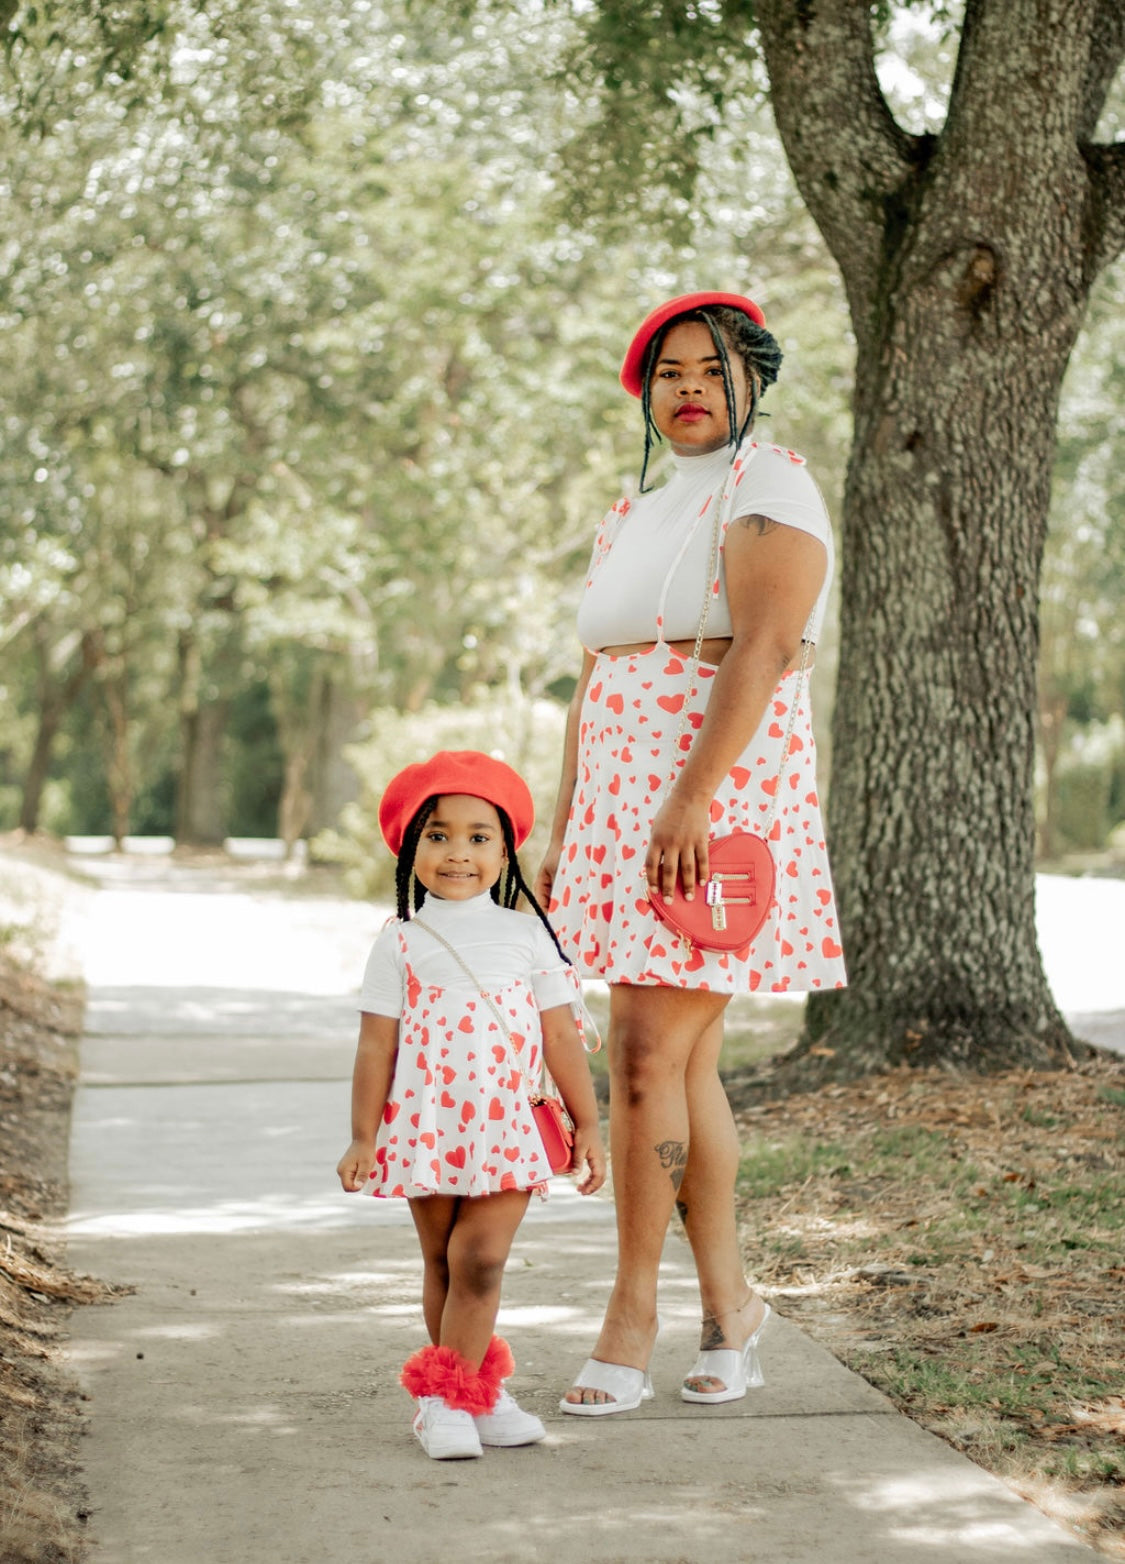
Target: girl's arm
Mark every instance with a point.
(545, 877)
(371, 1085)
(566, 1061)
(773, 574)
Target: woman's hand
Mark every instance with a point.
(678, 846)
(545, 875)
(355, 1165)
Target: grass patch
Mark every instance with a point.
(959, 1241)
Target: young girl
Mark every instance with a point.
(459, 997)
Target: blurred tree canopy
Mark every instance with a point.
(313, 314)
(312, 392)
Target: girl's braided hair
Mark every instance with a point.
(507, 891)
(731, 331)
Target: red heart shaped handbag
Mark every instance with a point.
(730, 906)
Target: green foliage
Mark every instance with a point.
(307, 373)
(312, 343)
(1089, 785)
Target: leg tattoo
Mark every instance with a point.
(712, 1335)
(673, 1157)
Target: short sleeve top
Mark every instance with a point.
(499, 945)
(651, 554)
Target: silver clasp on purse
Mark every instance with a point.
(713, 896)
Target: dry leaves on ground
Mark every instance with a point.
(42, 1503)
(958, 1241)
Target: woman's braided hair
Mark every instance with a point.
(731, 331)
(507, 891)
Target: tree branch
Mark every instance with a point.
(848, 154)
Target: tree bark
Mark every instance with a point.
(55, 700)
(119, 762)
(967, 260)
(200, 800)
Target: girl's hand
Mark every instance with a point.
(355, 1165)
(589, 1154)
(545, 875)
(679, 846)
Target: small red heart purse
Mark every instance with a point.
(730, 906)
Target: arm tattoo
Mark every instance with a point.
(673, 1157)
(760, 524)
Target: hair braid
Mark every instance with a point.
(516, 886)
(404, 867)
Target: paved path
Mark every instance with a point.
(244, 1401)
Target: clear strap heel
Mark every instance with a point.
(628, 1387)
(737, 1370)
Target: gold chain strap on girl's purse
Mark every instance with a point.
(556, 1130)
(731, 905)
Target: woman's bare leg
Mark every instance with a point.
(732, 1311)
(652, 1034)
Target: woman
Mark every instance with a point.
(625, 829)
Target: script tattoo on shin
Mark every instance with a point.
(673, 1158)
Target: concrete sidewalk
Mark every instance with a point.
(244, 1401)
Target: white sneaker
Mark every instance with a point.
(444, 1433)
(508, 1424)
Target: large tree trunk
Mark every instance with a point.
(967, 261)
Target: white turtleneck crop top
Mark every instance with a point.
(644, 585)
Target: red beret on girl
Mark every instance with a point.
(454, 771)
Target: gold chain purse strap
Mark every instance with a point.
(726, 503)
(722, 882)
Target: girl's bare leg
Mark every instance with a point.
(434, 1216)
(469, 1241)
(732, 1311)
(652, 1035)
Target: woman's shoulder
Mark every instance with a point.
(778, 481)
(771, 458)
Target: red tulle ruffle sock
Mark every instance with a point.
(498, 1363)
(443, 1372)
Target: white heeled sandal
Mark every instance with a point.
(628, 1387)
(738, 1370)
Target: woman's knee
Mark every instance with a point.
(643, 1066)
